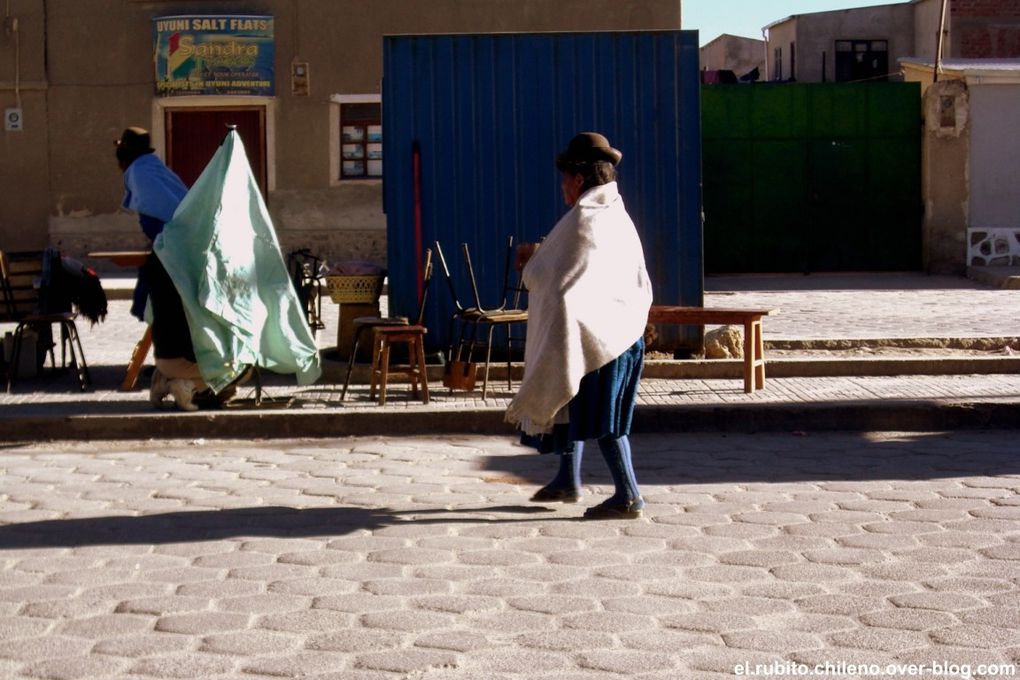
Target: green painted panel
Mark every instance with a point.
(894, 110)
(727, 115)
(837, 110)
(776, 111)
(778, 239)
(811, 177)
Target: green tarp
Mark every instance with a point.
(221, 251)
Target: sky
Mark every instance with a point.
(747, 17)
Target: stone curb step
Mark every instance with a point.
(999, 277)
(838, 367)
(908, 416)
(334, 372)
(985, 344)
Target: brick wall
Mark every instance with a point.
(985, 8)
(989, 42)
(985, 28)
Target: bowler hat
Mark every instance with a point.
(135, 139)
(588, 147)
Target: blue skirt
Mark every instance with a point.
(602, 407)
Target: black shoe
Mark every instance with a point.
(613, 509)
(219, 399)
(206, 400)
(551, 494)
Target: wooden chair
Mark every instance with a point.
(470, 318)
(370, 323)
(19, 277)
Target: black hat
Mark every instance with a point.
(135, 140)
(588, 147)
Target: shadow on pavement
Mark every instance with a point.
(274, 521)
(776, 457)
(727, 462)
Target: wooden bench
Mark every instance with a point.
(750, 319)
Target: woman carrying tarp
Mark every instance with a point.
(154, 191)
(589, 296)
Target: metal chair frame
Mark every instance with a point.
(506, 314)
(21, 303)
(308, 284)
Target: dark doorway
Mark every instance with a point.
(193, 135)
(862, 60)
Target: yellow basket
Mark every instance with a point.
(354, 288)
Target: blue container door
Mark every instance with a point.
(487, 114)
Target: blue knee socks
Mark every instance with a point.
(617, 455)
(569, 474)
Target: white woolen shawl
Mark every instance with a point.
(588, 300)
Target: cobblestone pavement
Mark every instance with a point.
(866, 306)
(387, 558)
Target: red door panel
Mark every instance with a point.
(193, 135)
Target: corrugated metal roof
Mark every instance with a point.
(969, 65)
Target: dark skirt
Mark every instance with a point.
(602, 407)
(171, 335)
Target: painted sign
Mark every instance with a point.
(214, 55)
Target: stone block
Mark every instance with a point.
(457, 604)
(945, 602)
(771, 640)
(709, 622)
(976, 635)
(907, 619)
(625, 662)
(407, 621)
(726, 342)
(75, 668)
(407, 661)
(202, 623)
(882, 639)
(251, 643)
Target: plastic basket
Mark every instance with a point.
(354, 288)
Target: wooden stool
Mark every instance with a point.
(382, 338)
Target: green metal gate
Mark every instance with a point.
(812, 177)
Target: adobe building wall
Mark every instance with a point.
(817, 32)
(90, 66)
(927, 18)
(945, 168)
(994, 156)
(24, 153)
(735, 53)
(780, 36)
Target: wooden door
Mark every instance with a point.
(193, 135)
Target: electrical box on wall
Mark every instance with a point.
(299, 79)
(13, 120)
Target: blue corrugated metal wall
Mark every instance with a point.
(490, 112)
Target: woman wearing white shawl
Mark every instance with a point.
(589, 296)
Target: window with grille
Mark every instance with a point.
(862, 60)
(361, 141)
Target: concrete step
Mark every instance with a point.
(708, 369)
(402, 418)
